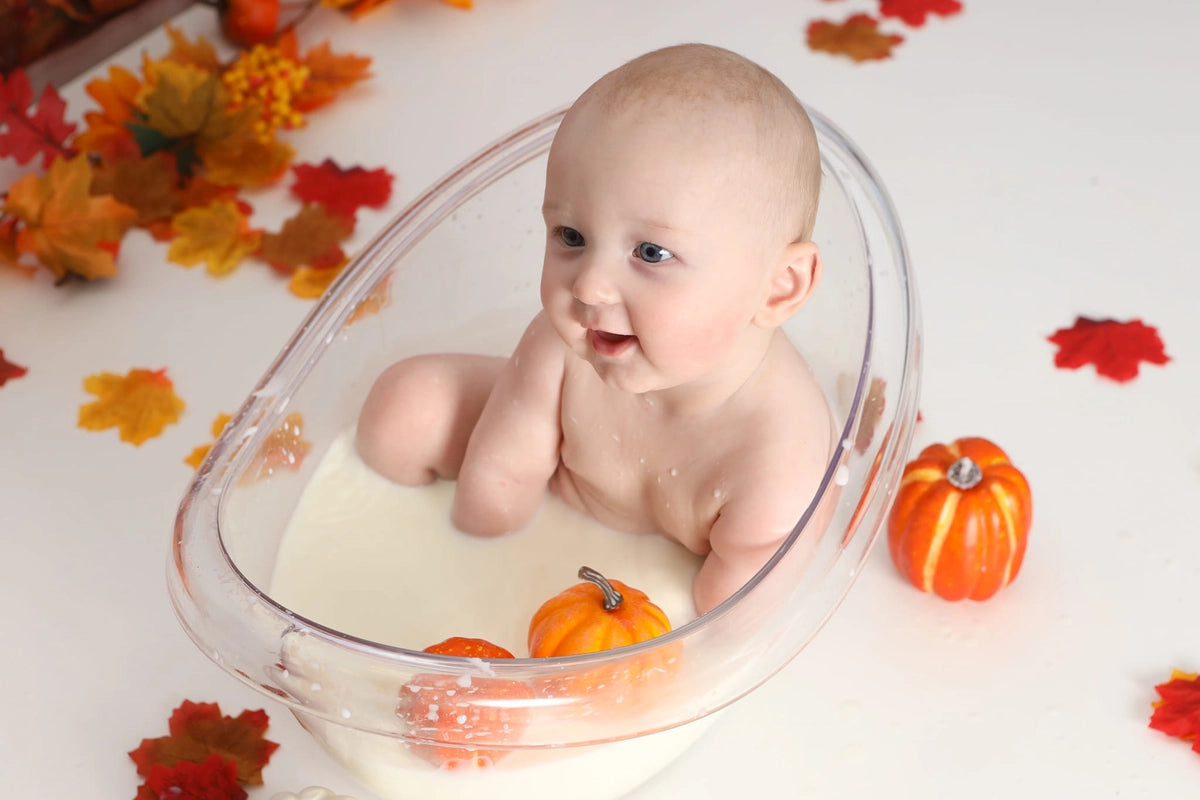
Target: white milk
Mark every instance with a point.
(382, 562)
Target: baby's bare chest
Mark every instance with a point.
(635, 474)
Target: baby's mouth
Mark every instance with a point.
(610, 345)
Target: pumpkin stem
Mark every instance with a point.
(964, 474)
(612, 598)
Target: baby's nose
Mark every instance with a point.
(593, 285)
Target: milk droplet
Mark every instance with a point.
(842, 476)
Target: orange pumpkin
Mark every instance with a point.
(960, 521)
(595, 615)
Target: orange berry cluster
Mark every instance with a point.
(265, 77)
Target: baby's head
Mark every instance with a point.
(680, 197)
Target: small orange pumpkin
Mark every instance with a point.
(595, 615)
(960, 521)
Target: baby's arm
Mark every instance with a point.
(514, 448)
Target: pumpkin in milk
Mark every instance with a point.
(961, 519)
(600, 614)
(466, 712)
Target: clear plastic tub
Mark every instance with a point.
(459, 267)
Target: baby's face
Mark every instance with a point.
(658, 255)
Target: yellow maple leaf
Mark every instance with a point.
(140, 404)
(308, 239)
(246, 160)
(197, 455)
(69, 231)
(310, 283)
(217, 234)
(182, 100)
(200, 53)
(284, 448)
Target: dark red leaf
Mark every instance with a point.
(1116, 348)
(213, 779)
(342, 191)
(913, 12)
(1178, 713)
(198, 731)
(22, 136)
(9, 370)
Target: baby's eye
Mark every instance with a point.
(652, 253)
(570, 237)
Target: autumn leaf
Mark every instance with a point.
(139, 404)
(284, 448)
(376, 300)
(212, 779)
(1177, 713)
(24, 136)
(217, 235)
(343, 191)
(913, 12)
(245, 160)
(310, 238)
(1115, 348)
(310, 283)
(197, 455)
(150, 185)
(198, 733)
(10, 371)
(329, 74)
(858, 37)
(199, 53)
(106, 133)
(68, 230)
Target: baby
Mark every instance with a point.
(655, 390)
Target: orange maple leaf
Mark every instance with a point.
(310, 283)
(106, 133)
(284, 448)
(858, 37)
(309, 238)
(139, 404)
(245, 160)
(376, 300)
(198, 731)
(68, 230)
(216, 234)
(197, 455)
(200, 53)
(329, 74)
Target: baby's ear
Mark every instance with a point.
(797, 273)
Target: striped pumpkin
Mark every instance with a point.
(960, 520)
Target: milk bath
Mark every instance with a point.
(382, 562)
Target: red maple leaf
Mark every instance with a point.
(913, 12)
(1178, 712)
(23, 136)
(1116, 348)
(9, 370)
(213, 779)
(199, 731)
(342, 191)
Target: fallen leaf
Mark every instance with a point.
(310, 238)
(199, 733)
(218, 235)
(24, 136)
(106, 133)
(913, 12)
(199, 53)
(66, 228)
(212, 779)
(10, 371)
(284, 448)
(1115, 348)
(858, 37)
(139, 404)
(329, 74)
(340, 190)
(197, 455)
(150, 185)
(310, 283)
(1178, 712)
(379, 298)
